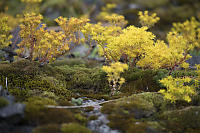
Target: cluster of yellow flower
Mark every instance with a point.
(31, 1)
(178, 88)
(4, 33)
(113, 72)
(101, 35)
(190, 30)
(72, 28)
(130, 42)
(148, 20)
(137, 45)
(47, 45)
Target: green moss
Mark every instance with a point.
(138, 80)
(74, 128)
(76, 62)
(3, 102)
(137, 128)
(84, 78)
(182, 120)
(183, 73)
(37, 113)
(88, 109)
(80, 118)
(65, 103)
(125, 112)
(25, 76)
(153, 98)
(50, 128)
(93, 117)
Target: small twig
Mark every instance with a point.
(83, 106)
(7, 83)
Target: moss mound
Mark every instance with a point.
(183, 120)
(26, 77)
(50, 128)
(37, 113)
(74, 128)
(127, 112)
(3, 102)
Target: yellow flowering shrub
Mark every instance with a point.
(43, 45)
(178, 88)
(31, 1)
(106, 16)
(4, 33)
(131, 42)
(72, 28)
(148, 20)
(190, 30)
(11, 21)
(170, 56)
(101, 35)
(113, 72)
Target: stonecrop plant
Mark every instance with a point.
(136, 46)
(148, 20)
(72, 28)
(178, 88)
(5, 36)
(113, 73)
(40, 44)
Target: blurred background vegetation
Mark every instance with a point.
(168, 10)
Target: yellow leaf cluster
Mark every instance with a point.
(101, 35)
(5, 36)
(148, 20)
(178, 88)
(72, 28)
(45, 45)
(31, 1)
(106, 16)
(190, 30)
(130, 42)
(170, 56)
(113, 72)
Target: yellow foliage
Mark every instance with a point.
(46, 45)
(31, 1)
(106, 16)
(11, 21)
(170, 56)
(38, 42)
(72, 28)
(4, 33)
(148, 20)
(190, 30)
(113, 72)
(178, 88)
(101, 35)
(130, 42)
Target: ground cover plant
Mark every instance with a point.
(147, 79)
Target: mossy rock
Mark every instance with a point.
(80, 118)
(74, 128)
(78, 77)
(183, 120)
(49, 128)
(37, 113)
(76, 62)
(138, 80)
(25, 76)
(125, 112)
(3, 102)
